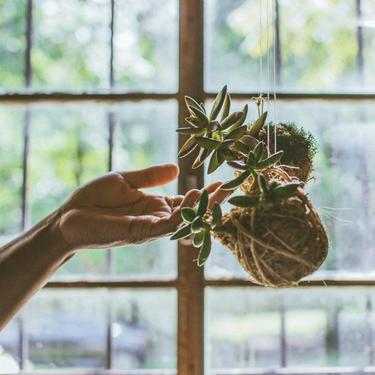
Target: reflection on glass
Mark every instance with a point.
(12, 43)
(145, 135)
(318, 44)
(368, 28)
(71, 44)
(233, 48)
(342, 191)
(9, 348)
(146, 45)
(68, 147)
(288, 328)
(11, 147)
(67, 329)
(144, 331)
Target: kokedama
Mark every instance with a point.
(274, 231)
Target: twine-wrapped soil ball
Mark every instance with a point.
(299, 148)
(279, 245)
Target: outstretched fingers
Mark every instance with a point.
(152, 176)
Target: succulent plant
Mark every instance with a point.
(199, 223)
(213, 136)
(254, 162)
(270, 194)
(224, 137)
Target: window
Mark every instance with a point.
(103, 81)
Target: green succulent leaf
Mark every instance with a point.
(271, 160)
(244, 201)
(237, 133)
(203, 204)
(216, 214)
(214, 162)
(284, 191)
(188, 147)
(233, 184)
(259, 150)
(258, 125)
(238, 165)
(202, 156)
(241, 147)
(251, 160)
(208, 143)
(249, 141)
(205, 249)
(190, 131)
(200, 115)
(192, 103)
(231, 119)
(198, 239)
(197, 224)
(226, 107)
(181, 233)
(262, 184)
(218, 103)
(194, 122)
(240, 120)
(188, 214)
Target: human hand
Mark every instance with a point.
(111, 210)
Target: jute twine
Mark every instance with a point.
(277, 246)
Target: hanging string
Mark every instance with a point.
(268, 72)
(260, 52)
(274, 77)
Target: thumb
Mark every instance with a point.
(152, 176)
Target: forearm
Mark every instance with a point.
(26, 264)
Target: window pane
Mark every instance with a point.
(9, 348)
(67, 329)
(369, 41)
(145, 135)
(11, 147)
(68, 146)
(290, 327)
(232, 48)
(318, 44)
(71, 44)
(343, 190)
(12, 43)
(146, 45)
(144, 331)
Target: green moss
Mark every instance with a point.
(297, 143)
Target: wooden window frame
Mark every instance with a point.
(190, 283)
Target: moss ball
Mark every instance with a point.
(279, 245)
(299, 148)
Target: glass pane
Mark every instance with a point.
(76, 152)
(342, 191)
(145, 135)
(368, 23)
(318, 44)
(146, 45)
(9, 348)
(11, 147)
(12, 43)
(67, 329)
(309, 328)
(144, 331)
(234, 45)
(71, 44)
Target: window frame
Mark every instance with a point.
(190, 283)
